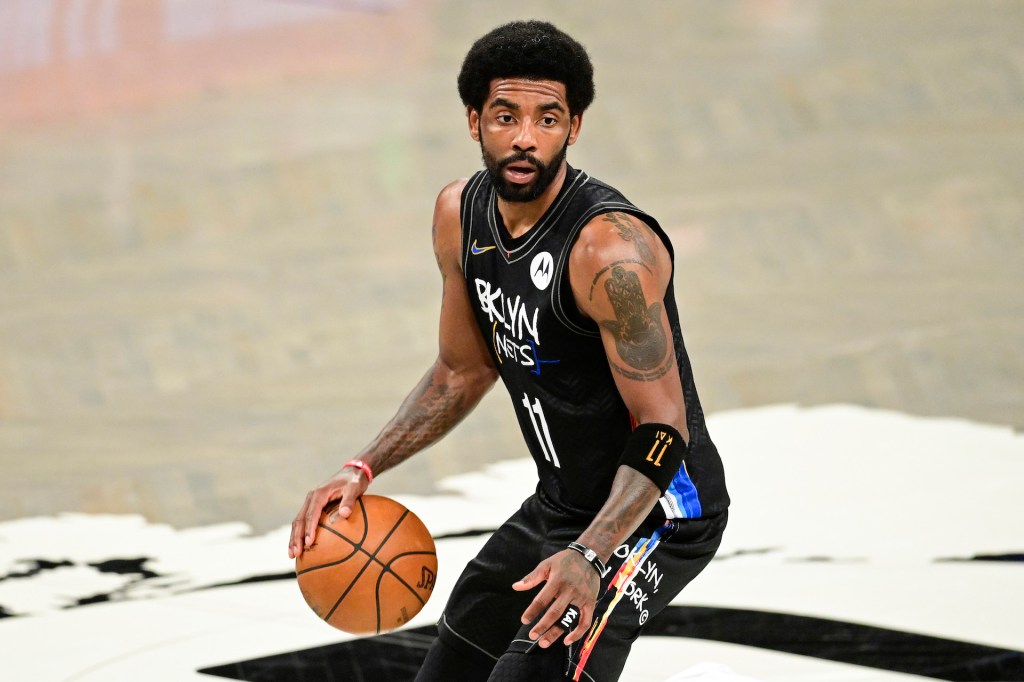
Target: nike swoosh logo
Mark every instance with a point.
(476, 250)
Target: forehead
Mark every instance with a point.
(525, 91)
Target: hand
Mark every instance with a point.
(570, 579)
(347, 485)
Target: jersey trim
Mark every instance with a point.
(681, 500)
(466, 215)
(444, 622)
(550, 218)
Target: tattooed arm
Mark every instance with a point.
(619, 271)
(459, 378)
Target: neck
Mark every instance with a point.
(520, 216)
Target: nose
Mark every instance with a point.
(525, 139)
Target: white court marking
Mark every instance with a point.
(851, 510)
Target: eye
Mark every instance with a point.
(549, 120)
(504, 118)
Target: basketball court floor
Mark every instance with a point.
(216, 284)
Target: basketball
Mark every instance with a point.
(371, 572)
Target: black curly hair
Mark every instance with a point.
(527, 49)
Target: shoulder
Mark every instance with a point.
(446, 229)
(611, 245)
(615, 236)
(448, 205)
(450, 197)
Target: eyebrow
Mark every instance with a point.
(552, 106)
(501, 102)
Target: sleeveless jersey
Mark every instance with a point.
(551, 358)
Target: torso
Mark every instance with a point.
(551, 358)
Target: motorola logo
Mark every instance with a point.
(541, 270)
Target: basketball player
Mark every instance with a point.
(558, 285)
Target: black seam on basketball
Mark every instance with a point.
(359, 546)
(347, 590)
(330, 563)
(356, 546)
(357, 550)
(373, 558)
(388, 536)
(376, 592)
(332, 531)
(387, 570)
(366, 527)
(366, 521)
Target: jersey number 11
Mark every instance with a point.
(540, 427)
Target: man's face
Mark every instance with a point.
(524, 132)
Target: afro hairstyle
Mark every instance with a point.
(535, 50)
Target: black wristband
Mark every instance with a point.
(591, 556)
(656, 451)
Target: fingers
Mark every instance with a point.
(534, 578)
(304, 527)
(297, 539)
(348, 500)
(305, 522)
(572, 618)
(348, 487)
(581, 629)
(565, 603)
(315, 503)
(557, 610)
(547, 630)
(541, 604)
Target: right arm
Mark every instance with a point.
(460, 376)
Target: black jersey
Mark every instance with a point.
(551, 358)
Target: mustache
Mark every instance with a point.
(520, 157)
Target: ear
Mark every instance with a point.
(473, 119)
(575, 124)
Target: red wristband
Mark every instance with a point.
(360, 464)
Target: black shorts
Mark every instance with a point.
(644, 574)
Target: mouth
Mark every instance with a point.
(520, 172)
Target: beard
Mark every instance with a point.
(516, 192)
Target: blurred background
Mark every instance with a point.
(216, 280)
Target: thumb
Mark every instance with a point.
(348, 501)
(532, 579)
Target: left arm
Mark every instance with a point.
(619, 271)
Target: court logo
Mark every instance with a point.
(541, 269)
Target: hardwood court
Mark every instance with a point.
(214, 225)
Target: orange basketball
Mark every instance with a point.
(371, 572)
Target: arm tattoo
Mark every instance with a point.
(639, 337)
(429, 412)
(631, 232)
(609, 267)
(437, 256)
(632, 497)
(610, 526)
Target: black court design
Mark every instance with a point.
(396, 657)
